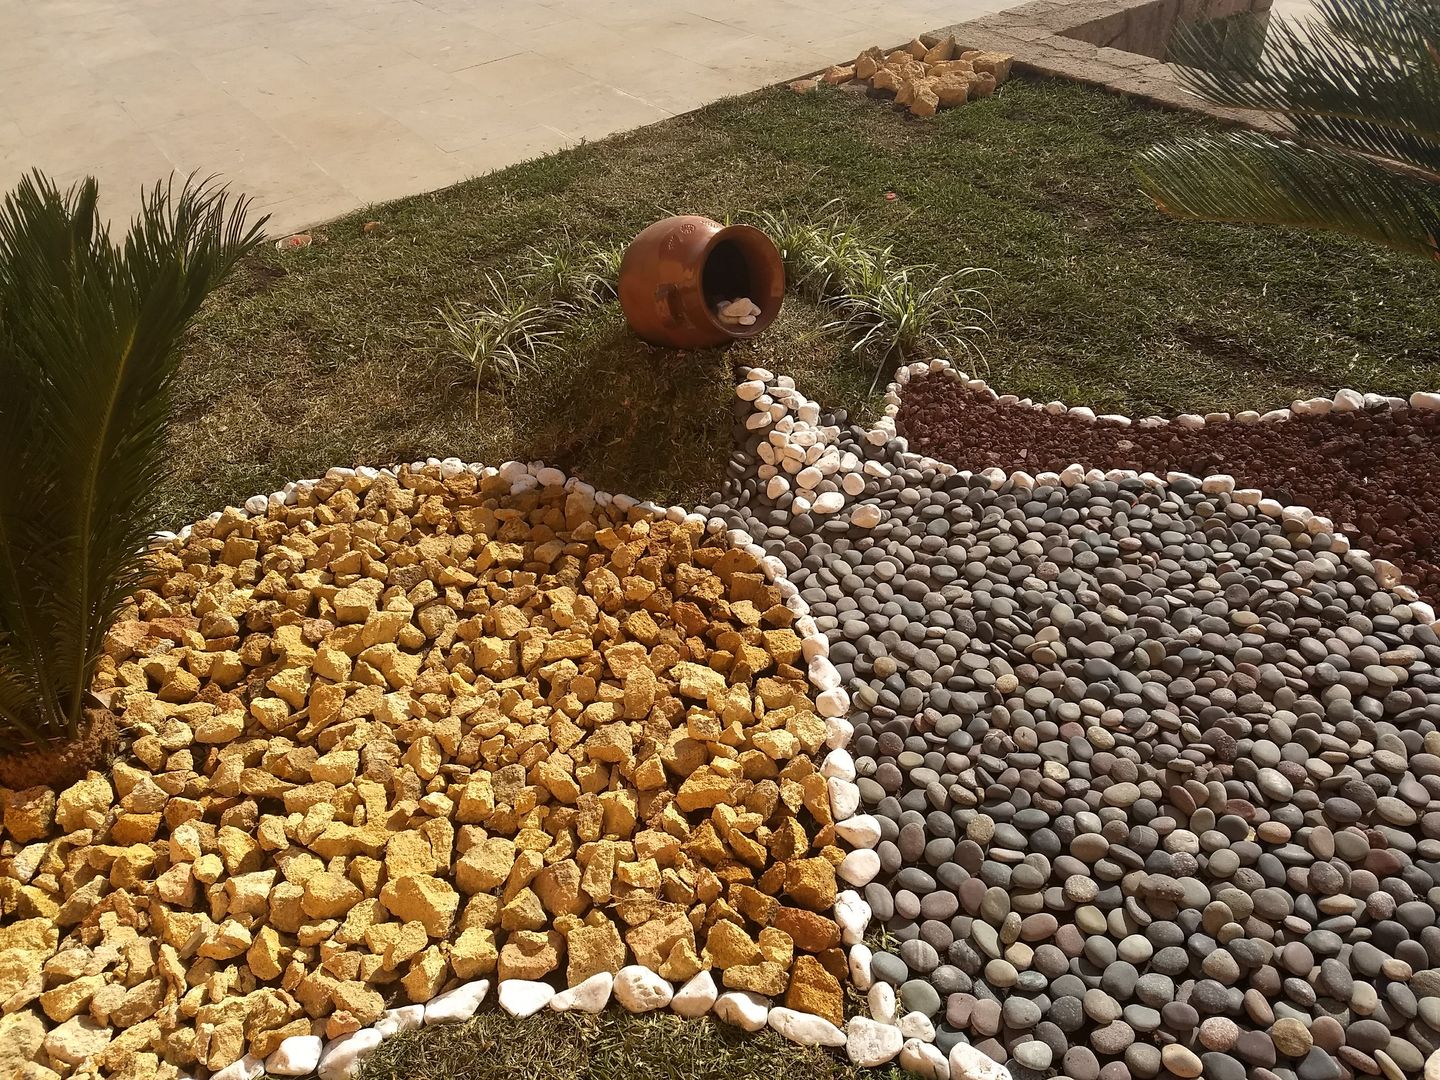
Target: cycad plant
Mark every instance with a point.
(89, 344)
(1359, 86)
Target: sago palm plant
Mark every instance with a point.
(89, 344)
(1359, 86)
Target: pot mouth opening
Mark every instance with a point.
(737, 264)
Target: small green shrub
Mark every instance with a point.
(902, 312)
(499, 341)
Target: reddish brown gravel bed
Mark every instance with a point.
(1377, 472)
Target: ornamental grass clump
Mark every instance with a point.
(901, 312)
(89, 345)
(500, 341)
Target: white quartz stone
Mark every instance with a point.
(859, 961)
(742, 1009)
(861, 831)
(247, 1068)
(924, 1060)
(844, 797)
(587, 996)
(882, 1003)
(805, 1029)
(967, 1063)
(696, 997)
(859, 867)
(916, 1025)
(868, 1043)
(853, 915)
(296, 1056)
(342, 1057)
(639, 990)
(456, 1005)
(838, 764)
(524, 997)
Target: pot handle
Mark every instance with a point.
(669, 295)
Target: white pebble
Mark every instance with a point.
(852, 484)
(859, 867)
(844, 797)
(456, 1005)
(924, 1060)
(916, 1025)
(742, 1009)
(805, 1029)
(587, 996)
(247, 1068)
(1189, 420)
(778, 486)
(257, 504)
(1428, 400)
(865, 516)
(809, 477)
(296, 1056)
(823, 675)
(861, 831)
(639, 990)
(838, 732)
(852, 914)
(1348, 400)
(524, 997)
(968, 1063)
(832, 703)
(696, 997)
(881, 1003)
(405, 1018)
(343, 1057)
(859, 962)
(868, 1043)
(1217, 484)
(839, 764)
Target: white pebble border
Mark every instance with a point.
(637, 989)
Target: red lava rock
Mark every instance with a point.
(1376, 473)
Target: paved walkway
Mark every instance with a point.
(317, 107)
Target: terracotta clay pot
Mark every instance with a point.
(677, 270)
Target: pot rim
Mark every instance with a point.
(765, 318)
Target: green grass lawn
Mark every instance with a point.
(334, 355)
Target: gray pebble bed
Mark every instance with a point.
(1157, 776)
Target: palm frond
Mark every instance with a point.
(1410, 29)
(1246, 177)
(1330, 79)
(91, 331)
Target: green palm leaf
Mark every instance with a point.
(89, 337)
(1245, 177)
(1359, 88)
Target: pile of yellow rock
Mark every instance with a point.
(413, 730)
(927, 75)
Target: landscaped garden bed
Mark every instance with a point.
(1115, 775)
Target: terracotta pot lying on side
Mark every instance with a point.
(677, 270)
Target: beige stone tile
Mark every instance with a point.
(460, 119)
(595, 114)
(515, 81)
(157, 87)
(502, 151)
